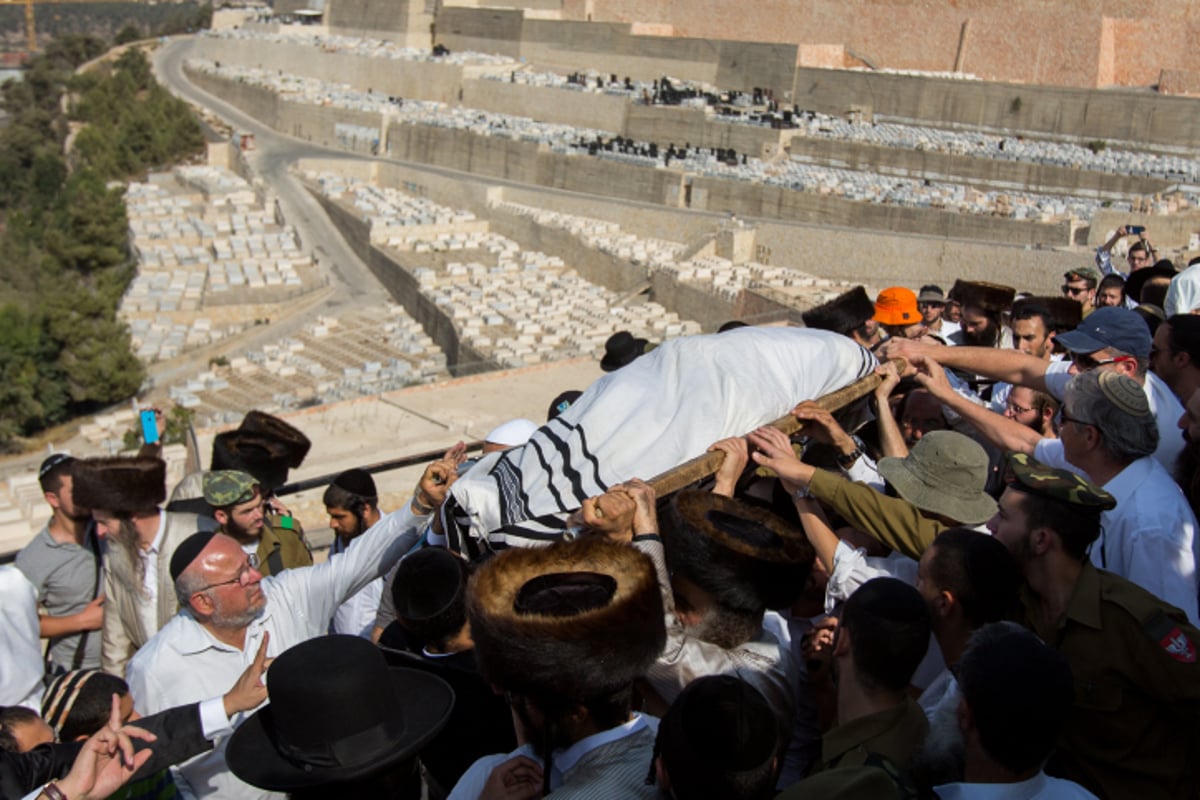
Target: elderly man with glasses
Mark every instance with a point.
(228, 610)
(1110, 339)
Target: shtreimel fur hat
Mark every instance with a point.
(570, 622)
(988, 296)
(843, 313)
(1065, 313)
(120, 484)
(746, 557)
(263, 445)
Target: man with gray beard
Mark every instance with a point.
(124, 495)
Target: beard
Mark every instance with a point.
(1187, 473)
(127, 539)
(985, 337)
(220, 619)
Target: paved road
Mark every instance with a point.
(350, 281)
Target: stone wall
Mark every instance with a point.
(461, 358)
(1082, 43)
(1115, 115)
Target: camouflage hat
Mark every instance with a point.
(228, 487)
(1032, 476)
(1082, 274)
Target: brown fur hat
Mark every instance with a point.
(120, 484)
(843, 313)
(746, 557)
(570, 622)
(264, 457)
(981, 294)
(1065, 313)
(296, 443)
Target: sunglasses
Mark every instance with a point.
(1074, 290)
(1085, 362)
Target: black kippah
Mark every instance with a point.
(358, 482)
(187, 551)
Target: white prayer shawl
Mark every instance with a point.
(654, 414)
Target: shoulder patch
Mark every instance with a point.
(1171, 637)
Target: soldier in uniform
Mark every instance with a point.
(1132, 731)
(240, 509)
(266, 447)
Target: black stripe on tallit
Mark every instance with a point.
(572, 475)
(585, 453)
(514, 505)
(558, 501)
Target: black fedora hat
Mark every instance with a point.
(1138, 278)
(337, 713)
(622, 348)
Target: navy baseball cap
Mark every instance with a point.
(1112, 326)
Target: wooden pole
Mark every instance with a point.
(702, 466)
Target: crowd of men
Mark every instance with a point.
(978, 581)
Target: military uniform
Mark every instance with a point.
(895, 522)
(896, 734)
(1133, 729)
(281, 544)
(867, 757)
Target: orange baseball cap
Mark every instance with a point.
(897, 306)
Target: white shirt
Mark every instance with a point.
(1039, 787)
(1150, 537)
(20, 641)
(470, 785)
(1164, 405)
(184, 663)
(147, 599)
(356, 616)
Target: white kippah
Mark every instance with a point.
(513, 433)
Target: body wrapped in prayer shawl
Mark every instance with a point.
(663, 409)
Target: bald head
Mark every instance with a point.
(220, 584)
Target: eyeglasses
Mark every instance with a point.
(1085, 362)
(930, 304)
(1016, 409)
(242, 578)
(1064, 418)
(1074, 290)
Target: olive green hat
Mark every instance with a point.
(1028, 475)
(944, 473)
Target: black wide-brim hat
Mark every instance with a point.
(1139, 277)
(843, 313)
(622, 348)
(338, 713)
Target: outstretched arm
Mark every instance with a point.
(1005, 433)
(1016, 368)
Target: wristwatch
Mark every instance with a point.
(846, 461)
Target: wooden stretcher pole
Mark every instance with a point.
(707, 464)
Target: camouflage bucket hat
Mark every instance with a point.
(228, 487)
(1032, 476)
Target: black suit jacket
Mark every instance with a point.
(179, 733)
